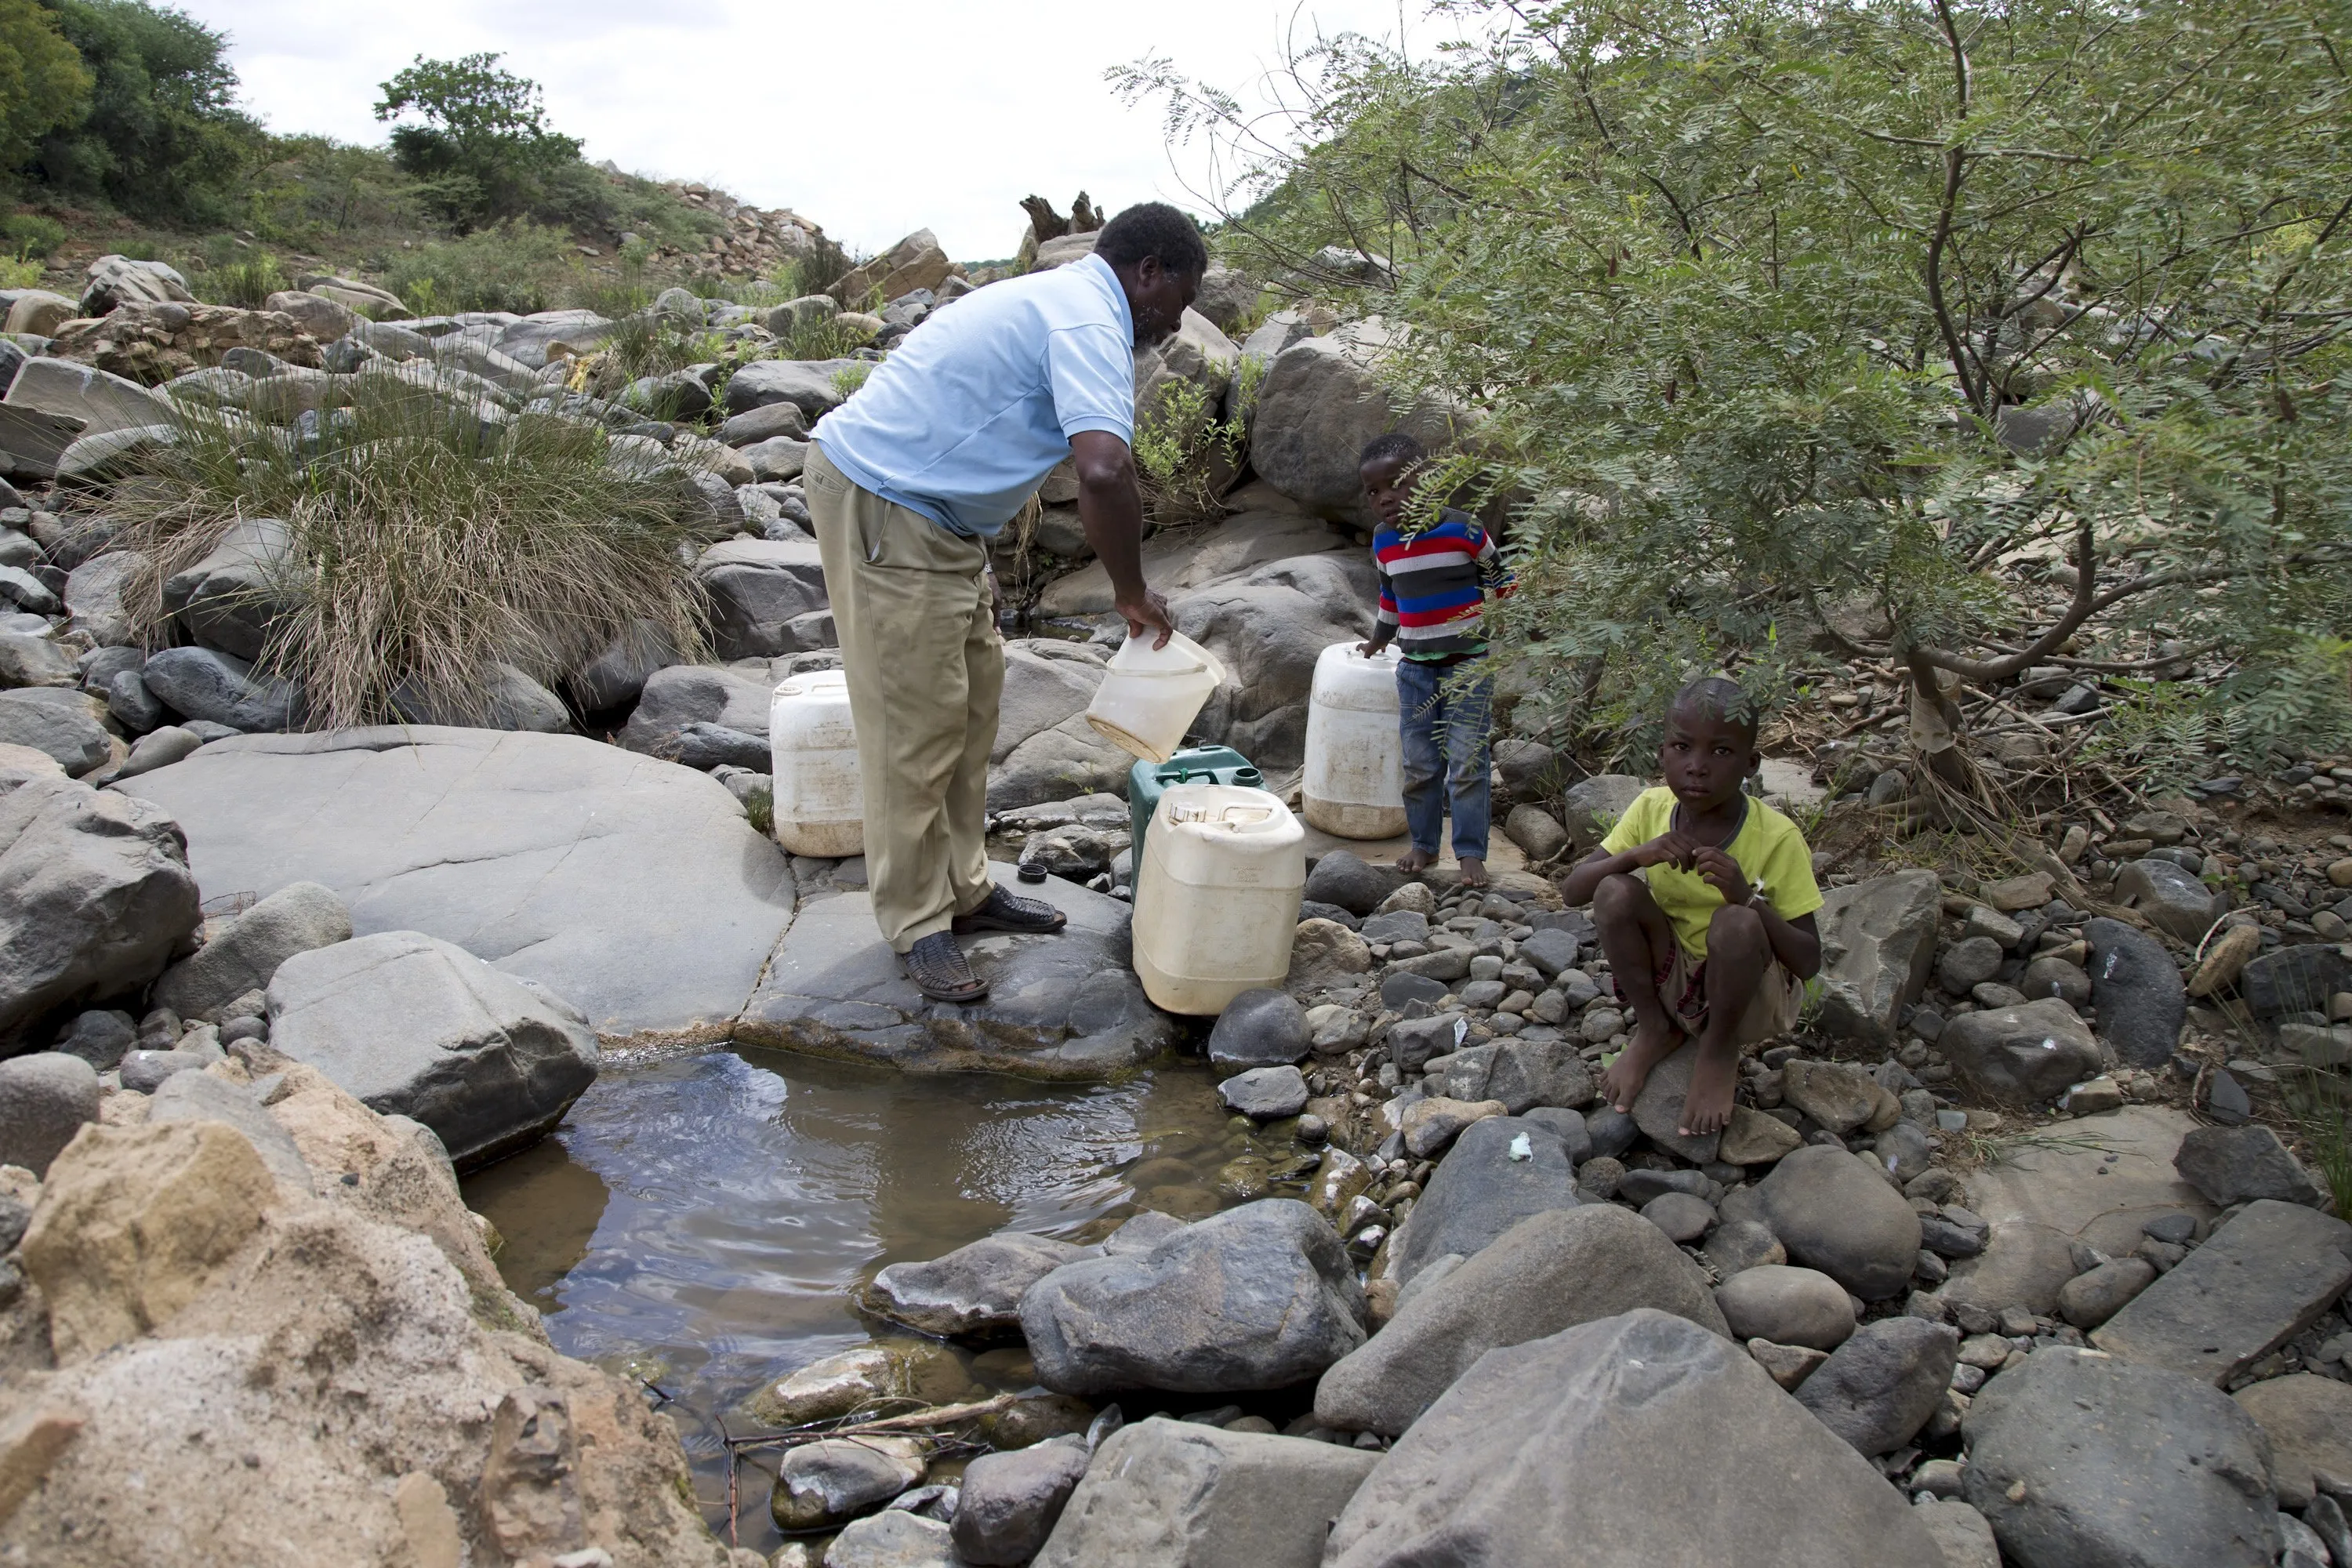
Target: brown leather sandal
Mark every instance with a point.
(1006, 911)
(937, 967)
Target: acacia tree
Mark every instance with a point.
(1810, 324)
(483, 151)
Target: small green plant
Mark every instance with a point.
(17, 274)
(823, 338)
(760, 811)
(518, 267)
(850, 377)
(422, 548)
(1184, 455)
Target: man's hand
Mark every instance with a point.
(995, 595)
(1721, 872)
(1149, 613)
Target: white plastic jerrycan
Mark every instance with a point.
(1354, 783)
(820, 795)
(1151, 696)
(1216, 898)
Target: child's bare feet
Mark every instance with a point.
(1707, 1108)
(1473, 871)
(1415, 860)
(1651, 1044)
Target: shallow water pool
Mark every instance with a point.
(702, 1221)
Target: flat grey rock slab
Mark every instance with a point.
(2256, 1283)
(1066, 1005)
(632, 887)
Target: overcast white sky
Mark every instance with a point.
(873, 122)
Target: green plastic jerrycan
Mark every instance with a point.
(1148, 781)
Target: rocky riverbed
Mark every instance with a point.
(2025, 1247)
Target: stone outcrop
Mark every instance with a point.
(416, 1027)
(95, 894)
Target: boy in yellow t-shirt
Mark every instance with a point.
(1703, 898)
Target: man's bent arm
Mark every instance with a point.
(1111, 509)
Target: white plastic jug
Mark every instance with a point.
(1216, 898)
(1151, 696)
(820, 795)
(1354, 783)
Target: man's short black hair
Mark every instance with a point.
(1719, 697)
(1154, 228)
(1395, 446)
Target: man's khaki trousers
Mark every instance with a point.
(919, 644)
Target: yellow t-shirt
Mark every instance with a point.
(1769, 850)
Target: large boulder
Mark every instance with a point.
(222, 689)
(1259, 1028)
(95, 893)
(2239, 1164)
(1186, 559)
(324, 1338)
(756, 588)
(1622, 1442)
(421, 1027)
(2299, 979)
(673, 698)
(1879, 1387)
(416, 1027)
(1879, 946)
(1268, 628)
(1787, 1306)
(2171, 899)
(1592, 807)
(1322, 400)
(974, 1290)
(1009, 1503)
(58, 721)
(2026, 1055)
(114, 282)
(97, 593)
(247, 952)
(152, 344)
(1834, 1213)
(1551, 1271)
(103, 403)
(325, 320)
(45, 1100)
(1178, 1493)
(2077, 1458)
(1501, 1171)
(808, 383)
(1064, 1005)
(1259, 1296)
(2308, 1420)
(633, 888)
(231, 599)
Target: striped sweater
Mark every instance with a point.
(1434, 582)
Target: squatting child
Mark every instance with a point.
(1437, 567)
(1704, 898)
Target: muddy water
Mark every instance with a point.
(702, 1221)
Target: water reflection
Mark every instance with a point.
(702, 1221)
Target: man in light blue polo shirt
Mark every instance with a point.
(908, 482)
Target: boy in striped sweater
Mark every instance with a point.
(1437, 567)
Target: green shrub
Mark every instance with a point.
(247, 281)
(825, 338)
(16, 274)
(518, 267)
(485, 152)
(25, 236)
(426, 549)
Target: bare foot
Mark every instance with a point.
(1707, 1108)
(1626, 1075)
(1473, 871)
(1415, 860)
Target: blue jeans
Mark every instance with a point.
(1445, 719)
